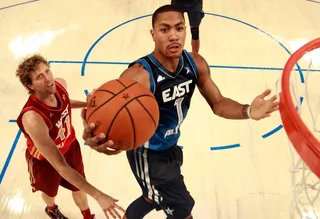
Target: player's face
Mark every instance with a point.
(43, 80)
(169, 34)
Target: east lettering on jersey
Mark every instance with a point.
(173, 91)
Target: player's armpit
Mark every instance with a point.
(137, 73)
(220, 105)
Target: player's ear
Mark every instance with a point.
(30, 86)
(152, 33)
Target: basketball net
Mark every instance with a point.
(305, 183)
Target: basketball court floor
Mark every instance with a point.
(233, 169)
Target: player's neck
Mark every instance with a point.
(48, 99)
(169, 64)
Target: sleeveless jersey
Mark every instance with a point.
(58, 120)
(173, 92)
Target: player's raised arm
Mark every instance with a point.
(38, 131)
(226, 107)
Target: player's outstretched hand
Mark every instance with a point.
(109, 206)
(95, 141)
(261, 107)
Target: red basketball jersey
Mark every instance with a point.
(58, 120)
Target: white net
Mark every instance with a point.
(305, 187)
(306, 96)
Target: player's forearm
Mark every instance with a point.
(78, 104)
(78, 181)
(50, 151)
(230, 109)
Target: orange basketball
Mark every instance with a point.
(126, 111)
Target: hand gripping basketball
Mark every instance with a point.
(95, 141)
(121, 114)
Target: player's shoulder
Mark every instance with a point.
(31, 117)
(200, 62)
(136, 70)
(137, 66)
(196, 57)
(62, 85)
(61, 82)
(33, 124)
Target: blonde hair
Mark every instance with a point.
(26, 67)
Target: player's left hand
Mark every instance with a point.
(94, 141)
(261, 108)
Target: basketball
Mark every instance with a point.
(125, 111)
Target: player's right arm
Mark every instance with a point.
(135, 72)
(36, 128)
(138, 73)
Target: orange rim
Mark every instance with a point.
(305, 143)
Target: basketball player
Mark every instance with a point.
(195, 14)
(53, 153)
(172, 74)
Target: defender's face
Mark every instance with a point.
(42, 80)
(169, 34)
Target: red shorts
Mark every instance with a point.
(43, 176)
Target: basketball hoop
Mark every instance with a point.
(307, 146)
(302, 137)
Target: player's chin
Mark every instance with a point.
(51, 89)
(174, 54)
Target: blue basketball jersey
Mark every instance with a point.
(173, 91)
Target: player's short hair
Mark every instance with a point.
(162, 9)
(26, 67)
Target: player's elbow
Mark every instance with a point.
(217, 111)
(63, 168)
(60, 164)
